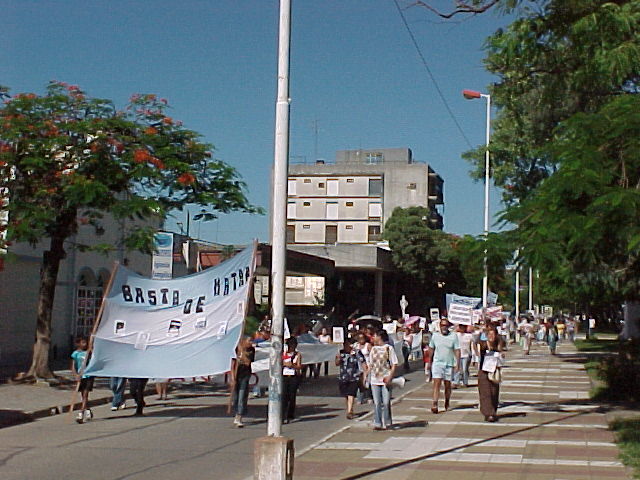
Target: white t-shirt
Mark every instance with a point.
(465, 343)
(324, 338)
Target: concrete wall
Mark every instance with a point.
(19, 284)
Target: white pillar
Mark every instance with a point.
(279, 222)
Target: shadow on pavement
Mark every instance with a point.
(420, 458)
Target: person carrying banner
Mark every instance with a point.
(136, 389)
(444, 358)
(291, 372)
(118, 386)
(240, 376)
(78, 363)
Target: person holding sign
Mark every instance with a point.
(489, 374)
(444, 360)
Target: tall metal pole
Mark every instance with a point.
(517, 299)
(279, 222)
(485, 279)
(530, 288)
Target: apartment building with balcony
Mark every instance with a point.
(338, 210)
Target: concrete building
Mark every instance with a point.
(338, 211)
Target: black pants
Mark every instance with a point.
(136, 388)
(289, 391)
(406, 351)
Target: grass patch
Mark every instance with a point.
(627, 432)
(594, 344)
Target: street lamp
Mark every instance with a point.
(470, 95)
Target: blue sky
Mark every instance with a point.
(354, 71)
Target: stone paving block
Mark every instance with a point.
(549, 438)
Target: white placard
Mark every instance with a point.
(434, 314)
(338, 335)
(460, 314)
(390, 328)
(489, 364)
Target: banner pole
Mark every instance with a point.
(93, 333)
(232, 385)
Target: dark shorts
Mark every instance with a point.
(86, 384)
(348, 389)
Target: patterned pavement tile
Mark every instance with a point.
(549, 431)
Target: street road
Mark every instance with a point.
(190, 436)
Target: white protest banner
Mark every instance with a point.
(460, 313)
(434, 314)
(185, 327)
(492, 299)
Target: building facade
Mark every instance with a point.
(338, 211)
(350, 200)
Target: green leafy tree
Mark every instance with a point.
(67, 159)
(557, 59)
(425, 256)
(582, 222)
(470, 251)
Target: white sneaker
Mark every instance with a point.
(113, 409)
(122, 406)
(88, 415)
(80, 417)
(237, 421)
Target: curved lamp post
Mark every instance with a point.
(470, 95)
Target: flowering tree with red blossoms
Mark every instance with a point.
(67, 159)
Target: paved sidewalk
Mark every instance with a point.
(21, 403)
(548, 429)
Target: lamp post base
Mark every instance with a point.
(273, 458)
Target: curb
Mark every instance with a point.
(21, 417)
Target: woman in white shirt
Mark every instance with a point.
(381, 367)
(324, 337)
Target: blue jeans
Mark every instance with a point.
(240, 395)
(462, 375)
(382, 405)
(117, 385)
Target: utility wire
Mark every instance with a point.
(433, 79)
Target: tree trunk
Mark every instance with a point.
(40, 365)
(631, 320)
